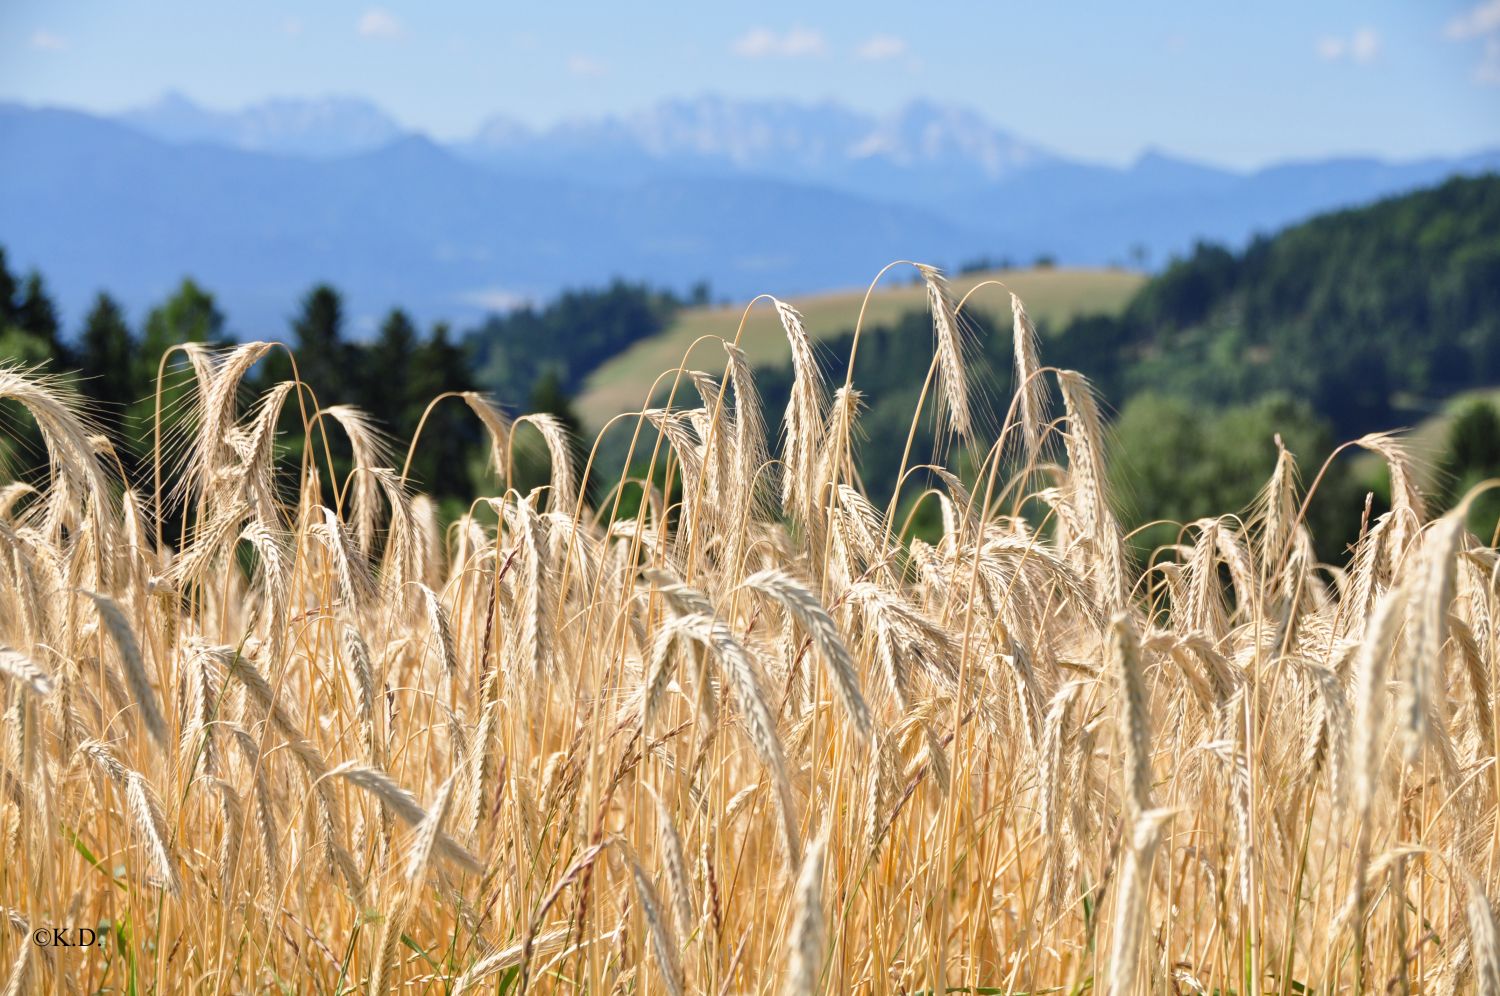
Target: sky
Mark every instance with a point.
(1240, 85)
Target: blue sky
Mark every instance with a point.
(1240, 84)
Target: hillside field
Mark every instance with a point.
(1426, 440)
(1052, 296)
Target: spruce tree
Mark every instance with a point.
(105, 353)
(323, 357)
(451, 435)
(387, 375)
(35, 314)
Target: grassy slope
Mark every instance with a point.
(1052, 296)
(1426, 441)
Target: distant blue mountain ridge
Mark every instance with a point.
(753, 196)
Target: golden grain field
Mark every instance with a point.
(751, 739)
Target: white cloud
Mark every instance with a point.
(377, 22)
(878, 48)
(762, 43)
(1362, 46)
(1481, 19)
(45, 41)
(582, 65)
(1365, 45)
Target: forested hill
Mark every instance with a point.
(1353, 322)
(1372, 315)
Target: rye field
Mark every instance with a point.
(273, 724)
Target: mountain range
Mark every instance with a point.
(752, 195)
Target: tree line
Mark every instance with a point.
(529, 359)
(115, 367)
(1352, 322)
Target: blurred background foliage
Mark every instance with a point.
(1353, 322)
